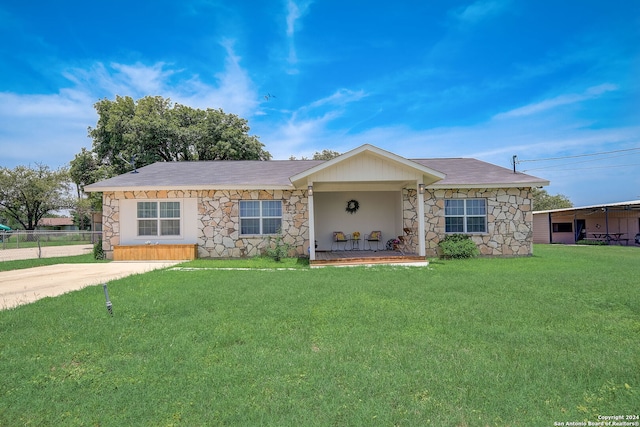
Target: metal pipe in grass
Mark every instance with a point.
(106, 296)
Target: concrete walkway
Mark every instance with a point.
(24, 286)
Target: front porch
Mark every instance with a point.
(363, 191)
(338, 258)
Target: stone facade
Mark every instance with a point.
(111, 221)
(219, 223)
(410, 218)
(218, 220)
(509, 220)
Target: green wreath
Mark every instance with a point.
(352, 206)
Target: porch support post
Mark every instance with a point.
(312, 230)
(421, 228)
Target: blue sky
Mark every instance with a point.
(487, 79)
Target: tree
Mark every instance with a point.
(543, 201)
(85, 169)
(153, 129)
(324, 155)
(27, 194)
(82, 211)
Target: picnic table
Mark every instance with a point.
(610, 237)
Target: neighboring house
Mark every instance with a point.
(612, 222)
(62, 223)
(229, 208)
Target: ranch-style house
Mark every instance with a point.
(227, 209)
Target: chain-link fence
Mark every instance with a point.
(16, 239)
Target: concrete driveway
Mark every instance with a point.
(19, 287)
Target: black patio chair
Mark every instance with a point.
(373, 237)
(340, 237)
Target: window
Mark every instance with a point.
(562, 227)
(158, 218)
(260, 216)
(465, 215)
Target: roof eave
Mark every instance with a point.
(531, 184)
(200, 187)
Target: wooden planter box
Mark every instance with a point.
(155, 252)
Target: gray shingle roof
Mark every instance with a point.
(466, 171)
(275, 174)
(209, 174)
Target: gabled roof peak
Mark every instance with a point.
(375, 151)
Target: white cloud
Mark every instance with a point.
(144, 79)
(479, 11)
(547, 104)
(295, 11)
(52, 128)
(43, 129)
(135, 80)
(340, 97)
(312, 122)
(67, 103)
(234, 92)
(293, 14)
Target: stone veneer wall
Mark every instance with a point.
(219, 223)
(111, 221)
(410, 217)
(509, 217)
(509, 220)
(218, 220)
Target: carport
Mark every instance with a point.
(612, 223)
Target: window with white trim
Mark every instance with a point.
(465, 215)
(158, 218)
(260, 216)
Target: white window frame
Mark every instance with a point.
(465, 216)
(158, 219)
(261, 217)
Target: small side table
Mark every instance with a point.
(355, 244)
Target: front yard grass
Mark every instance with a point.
(498, 342)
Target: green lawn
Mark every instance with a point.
(498, 342)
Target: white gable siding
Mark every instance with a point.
(365, 167)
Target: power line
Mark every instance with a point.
(592, 167)
(576, 156)
(577, 163)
